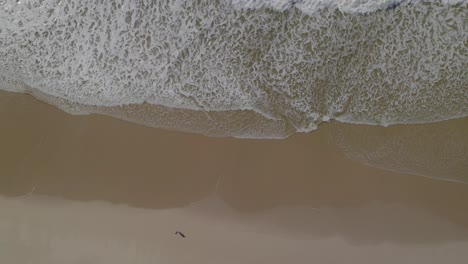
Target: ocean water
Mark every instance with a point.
(243, 68)
(437, 150)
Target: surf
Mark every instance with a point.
(241, 68)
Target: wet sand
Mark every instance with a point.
(93, 189)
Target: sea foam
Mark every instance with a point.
(293, 63)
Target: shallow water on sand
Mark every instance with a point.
(94, 189)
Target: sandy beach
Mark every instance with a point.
(94, 189)
(234, 132)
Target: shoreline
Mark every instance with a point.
(307, 197)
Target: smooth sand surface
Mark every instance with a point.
(93, 189)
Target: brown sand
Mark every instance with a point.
(306, 199)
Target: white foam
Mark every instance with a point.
(311, 6)
(407, 65)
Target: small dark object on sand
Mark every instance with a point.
(180, 234)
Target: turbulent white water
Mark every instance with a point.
(290, 64)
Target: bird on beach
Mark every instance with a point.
(180, 234)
